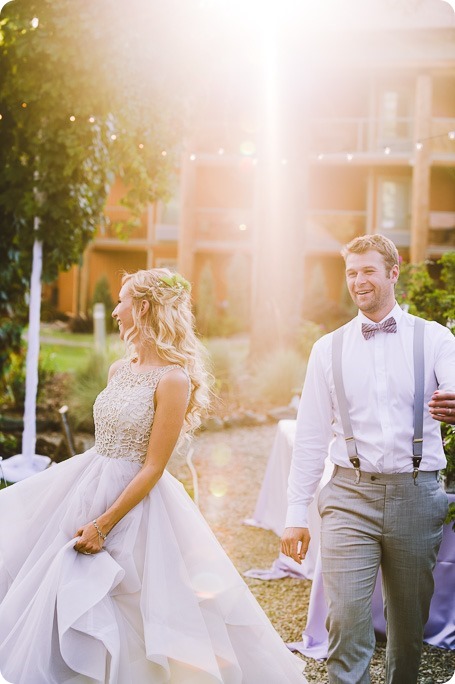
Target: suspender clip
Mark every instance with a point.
(416, 463)
(355, 460)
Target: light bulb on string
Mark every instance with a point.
(320, 156)
(113, 136)
(221, 151)
(451, 135)
(164, 153)
(92, 119)
(192, 157)
(387, 150)
(72, 118)
(24, 105)
(141, 146)
(419, 145)
(242, 227)
(1, 117)
(349, 157)
(34, 22)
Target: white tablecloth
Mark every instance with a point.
(271, 505)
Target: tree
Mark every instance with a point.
(81, 100)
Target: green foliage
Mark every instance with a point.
(12, 382)
(307, 334)
(76, 111)
(206, 308)
(102, 294)
(9, 444)
(239, 293)
(276, 378)
(226, 363)
(88, 383)
(426, 298)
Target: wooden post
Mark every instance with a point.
(420, 209)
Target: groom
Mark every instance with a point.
(383, 506)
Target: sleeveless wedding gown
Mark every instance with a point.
(161, 603)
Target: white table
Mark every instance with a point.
(271, 506)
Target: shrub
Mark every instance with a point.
(88, 383)
(12, 384)
(226, 362)
(307, 334)
(276, 377)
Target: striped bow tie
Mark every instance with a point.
(388, 326)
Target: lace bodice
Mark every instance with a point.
(124, 411)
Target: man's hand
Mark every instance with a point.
(442, 407)
(294, 542)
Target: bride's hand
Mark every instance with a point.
(89, 540)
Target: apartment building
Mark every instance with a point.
(366, 143)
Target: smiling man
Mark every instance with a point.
(365, 400)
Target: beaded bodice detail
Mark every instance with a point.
(124, 411)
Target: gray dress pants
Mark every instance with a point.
(387, 521)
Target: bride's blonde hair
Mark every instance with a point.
(168, 324)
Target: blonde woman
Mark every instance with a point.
(108, 572)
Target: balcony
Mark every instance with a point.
(230, 227)
(379, 137)
(327, 231)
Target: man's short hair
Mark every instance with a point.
(378, 243)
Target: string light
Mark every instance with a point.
(164, 153)
(141, 146)
(91, 119)
(387, 150)
(34, 22)
(242, 226)
(451, 135)
(1, 117)
(113, 136)
(24, 105)
(221, 150)
(192, 157)
(349, 157)
(72, 118)
(320, 156)
(419, 145)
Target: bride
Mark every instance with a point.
(109, 574)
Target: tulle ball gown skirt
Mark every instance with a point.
(161, 603)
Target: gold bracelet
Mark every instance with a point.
(100, 534)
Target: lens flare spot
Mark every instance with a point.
(218, 487)
(247, 148)
(207, 584)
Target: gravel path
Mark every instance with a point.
(230, 466)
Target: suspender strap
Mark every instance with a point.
(337, 349)
(419, 379)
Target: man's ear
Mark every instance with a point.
(394, 273)
(145, 305)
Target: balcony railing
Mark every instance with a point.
(223, 224)
(443, 136)
(355, 135)
(327, 231)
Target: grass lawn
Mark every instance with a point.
(64, 358)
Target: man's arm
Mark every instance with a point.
(442, 403)
(313, 434)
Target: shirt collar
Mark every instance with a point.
(396, 312)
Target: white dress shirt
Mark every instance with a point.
(378, 376)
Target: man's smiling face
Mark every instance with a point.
(369, 284)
